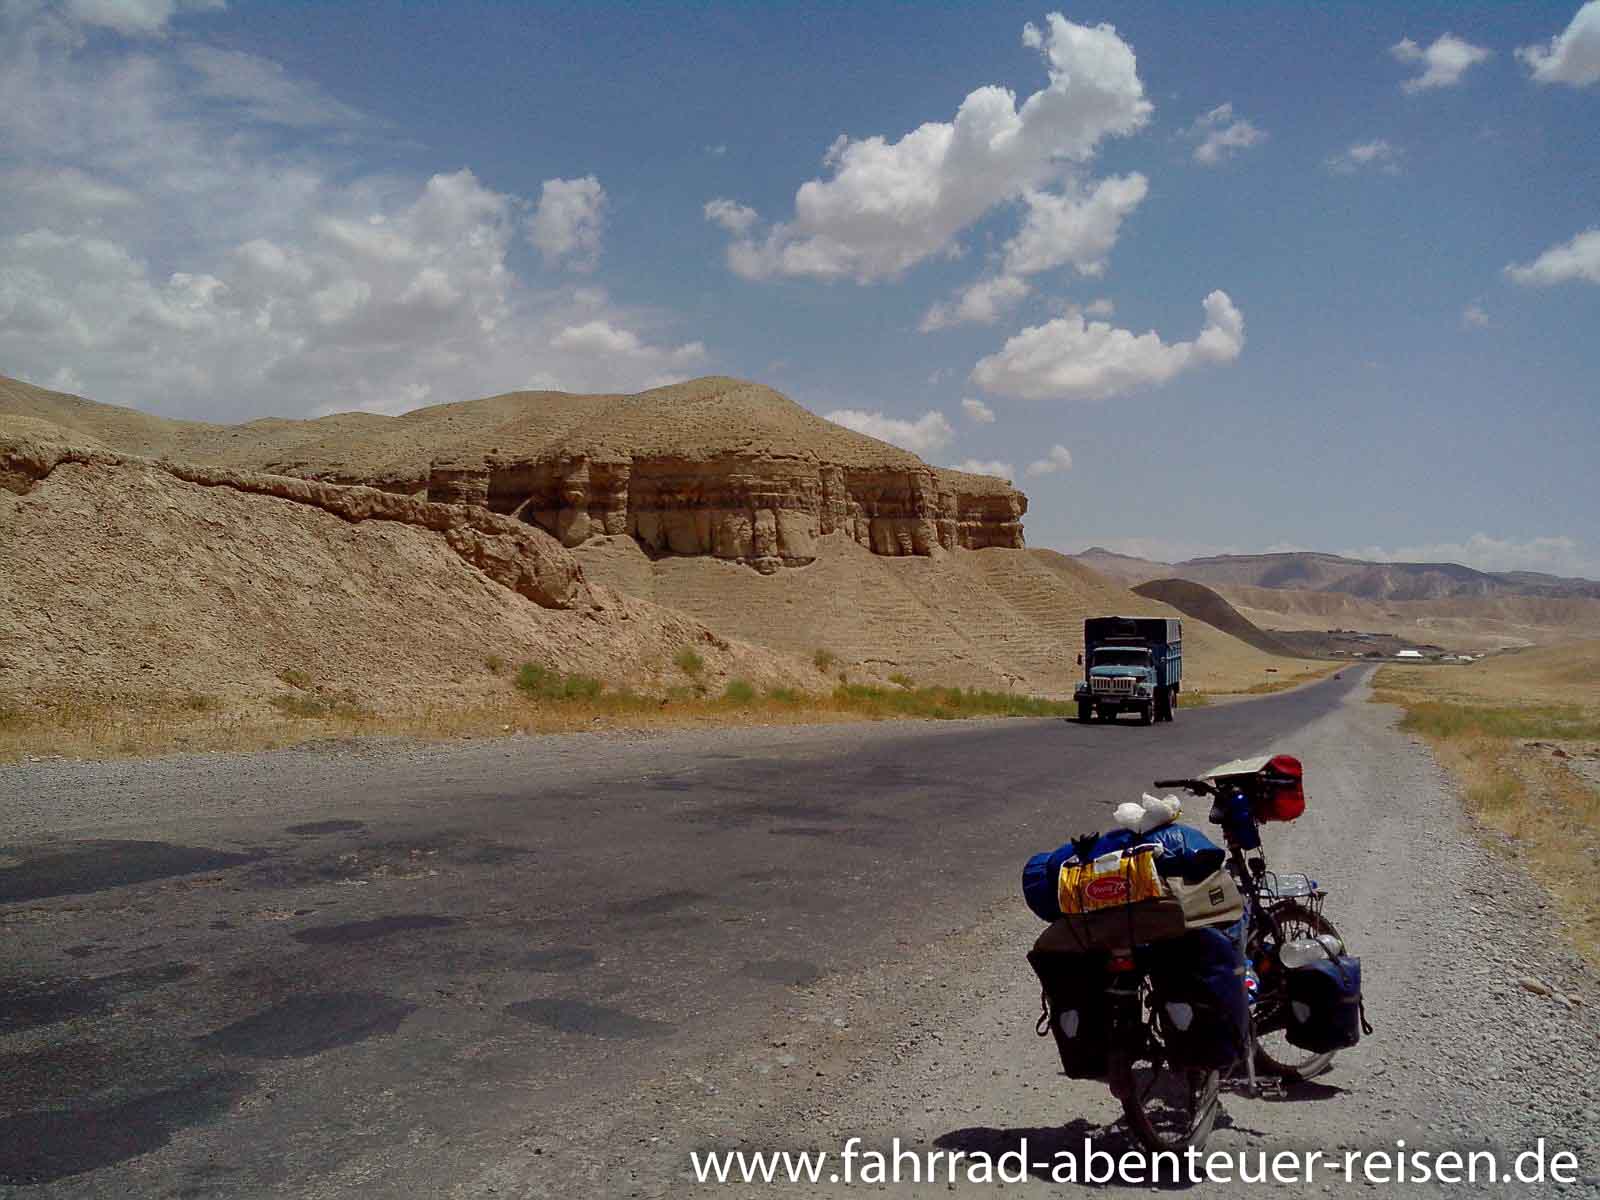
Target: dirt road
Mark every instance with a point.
(552, 967)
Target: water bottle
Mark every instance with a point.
(1300, 952)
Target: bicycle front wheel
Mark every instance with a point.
(1274, 1054)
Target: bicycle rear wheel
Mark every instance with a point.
(1168, 1108)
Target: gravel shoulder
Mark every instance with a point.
(942, 1053)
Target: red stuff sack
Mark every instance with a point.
(1279, 794)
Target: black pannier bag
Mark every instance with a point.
(1325, 1011)
(1075, 1006)
(1201, 1003)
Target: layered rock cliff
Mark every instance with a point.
(716, 467)
(766, 512)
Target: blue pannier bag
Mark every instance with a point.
(1185, 852)
(1325, 1011)
(1202, 1008)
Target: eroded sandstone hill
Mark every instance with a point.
(122, 575)
(716, 467)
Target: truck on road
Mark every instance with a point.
(1130, 664)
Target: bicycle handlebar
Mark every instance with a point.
(1198, 786)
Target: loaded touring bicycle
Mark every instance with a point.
(1171, 963)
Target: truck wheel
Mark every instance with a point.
(1147, 713)
(1085, 712)
(1172, 705)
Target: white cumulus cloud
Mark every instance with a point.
(1577, 258)
(978, 411)
(734, 217)
(263, 89)
(889, 205)
(163, 248)
(132, 17)
(1378, 155)
(1077, 226)
(981, 303)
(568, 222)
(1220, 134)
(1443, 63)
(985, 466)
(1474, 317)
(1070, 358)
(1572, 56)
(927, 433)
(1059, 459)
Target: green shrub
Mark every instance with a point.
(824, 660)
(296, 678)
(739, 692)
(690, 663)
(542, 683)
(903, 680)
(944, 702)
(494, 663)
(782, 695)
(538, 683)
(581, 687)
(197, 702)
(301, 706)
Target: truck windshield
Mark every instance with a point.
(1122, 658)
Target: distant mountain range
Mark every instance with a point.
(1313, 572)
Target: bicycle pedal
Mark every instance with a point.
(1273, 1088)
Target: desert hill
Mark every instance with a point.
(1200, 602)
(714, 466)
(121, 575)
(1379, 581)
(1456, 607)
(394, 558)
(1456, 623)
(1312, 572)
(1125, 568)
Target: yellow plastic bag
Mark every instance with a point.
(1113, 880)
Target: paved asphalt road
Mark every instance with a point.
(385, 981)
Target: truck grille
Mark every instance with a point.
(1120, 684)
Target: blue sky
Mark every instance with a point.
(1198, 278)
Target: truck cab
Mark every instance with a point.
(1131, 664)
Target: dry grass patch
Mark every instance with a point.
(535, 700)
(1523, 737)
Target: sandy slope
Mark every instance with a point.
(994, 618)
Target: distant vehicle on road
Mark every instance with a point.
(1130, 664)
